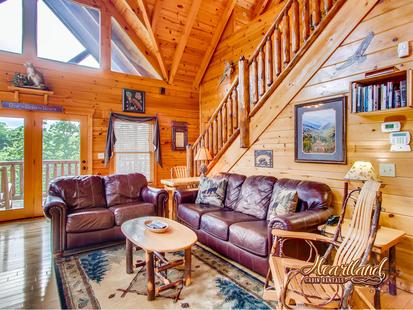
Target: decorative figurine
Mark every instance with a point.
(34, 77)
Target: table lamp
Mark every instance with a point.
(360, 171)
(204, 156)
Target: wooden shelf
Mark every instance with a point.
(31, 91)
(388, 112)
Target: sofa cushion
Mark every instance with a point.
(79, 192)
(89, 220)
(132, 210)
(217, 223)
(255, 196)
(124, 188)
(283, 202)
(212, 191)
(250, 236)
(234, 186)
(191, 213)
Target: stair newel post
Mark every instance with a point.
(189, 160)
(316, 15)
(244, 104)
(261, 73)
(295, 20)
(277, 51)
(268, 62)
(286, 39)
(305, 19)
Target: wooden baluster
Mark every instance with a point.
(55, 171)
(210, 141)
(13, 180)
(224, 123)
(277, 51)
(62, 169)
(268, 62)
(47, 175)
(261, 73)
(219, 117)
(244, 106)
(77, 171)
(295, 19)
(230, 116)
(235, 107)
(21, 177)
(189, 161)
(305, 22)
(69, 169)
(286, 39)
(327, 5)
(254, 81)
(316, 13)
(206, 138)
(215, 135)
(5, 188)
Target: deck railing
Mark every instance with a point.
(12, 176)
(293, 31)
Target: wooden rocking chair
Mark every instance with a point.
(288, 285)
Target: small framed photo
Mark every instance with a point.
(133, 101)
(320, 131)
(179, 136)
(263, 158)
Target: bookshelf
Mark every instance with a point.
(386, 92)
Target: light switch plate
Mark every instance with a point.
(403, 49)
(101, 156)
(387, 170)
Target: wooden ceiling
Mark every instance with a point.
(179, 37)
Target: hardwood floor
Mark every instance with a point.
(26, 273)
(27, 278)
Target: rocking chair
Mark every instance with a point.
(288, 282)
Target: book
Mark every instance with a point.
(390, 95)
(397, 98)
(383, 97)
(354, 98)
(403, 93)
(370, 98)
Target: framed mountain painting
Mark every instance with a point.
(320, 131)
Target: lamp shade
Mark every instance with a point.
(203, 154)
(361, 171)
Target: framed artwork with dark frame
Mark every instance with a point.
(263, 158)
(179, 136)
(320, 131)
(133, 101)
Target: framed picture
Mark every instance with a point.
(320, 131)
(133, 101)
(179, 136)
(263, 158)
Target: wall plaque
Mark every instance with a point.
(31, 107)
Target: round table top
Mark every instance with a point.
(177, 237)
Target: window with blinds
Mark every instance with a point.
(134, 148)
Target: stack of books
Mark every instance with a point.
(378, 97)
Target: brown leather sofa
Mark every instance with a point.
(240, 230)
(88, 211)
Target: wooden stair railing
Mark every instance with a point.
(295, 28)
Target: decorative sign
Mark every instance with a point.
(31, 107)
(263, 158)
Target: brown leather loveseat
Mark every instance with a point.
(89, 210)
(247, 238)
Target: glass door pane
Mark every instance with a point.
(61, 150)
(11, 163)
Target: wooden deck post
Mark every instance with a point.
(244, 105)
(189, 160)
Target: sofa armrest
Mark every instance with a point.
(185, 196)
(158, 197)
(56, 210)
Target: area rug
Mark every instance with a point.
(96, 280)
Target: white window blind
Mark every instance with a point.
(134, 148)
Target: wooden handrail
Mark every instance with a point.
(294, 29)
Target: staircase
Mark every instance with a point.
(295, 29)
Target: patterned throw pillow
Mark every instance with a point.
(212, 191)
(283, 202)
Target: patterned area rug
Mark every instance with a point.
(95, 280)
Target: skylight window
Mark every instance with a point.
(126, 57)
(11, 25)
(68, 32)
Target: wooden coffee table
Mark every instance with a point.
(177, 238)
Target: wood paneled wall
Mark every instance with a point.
(391, 21)
(88, 90)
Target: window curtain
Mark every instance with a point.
(111, 138)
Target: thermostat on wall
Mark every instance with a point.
(390, 127)
(400, 141)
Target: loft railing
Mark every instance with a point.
(12, 177)
(293, 31)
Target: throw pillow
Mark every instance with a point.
(283, 202)
(212, 191)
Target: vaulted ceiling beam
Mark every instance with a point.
(214, 42)
(193, 11)
(156, 13)
(259, 8)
